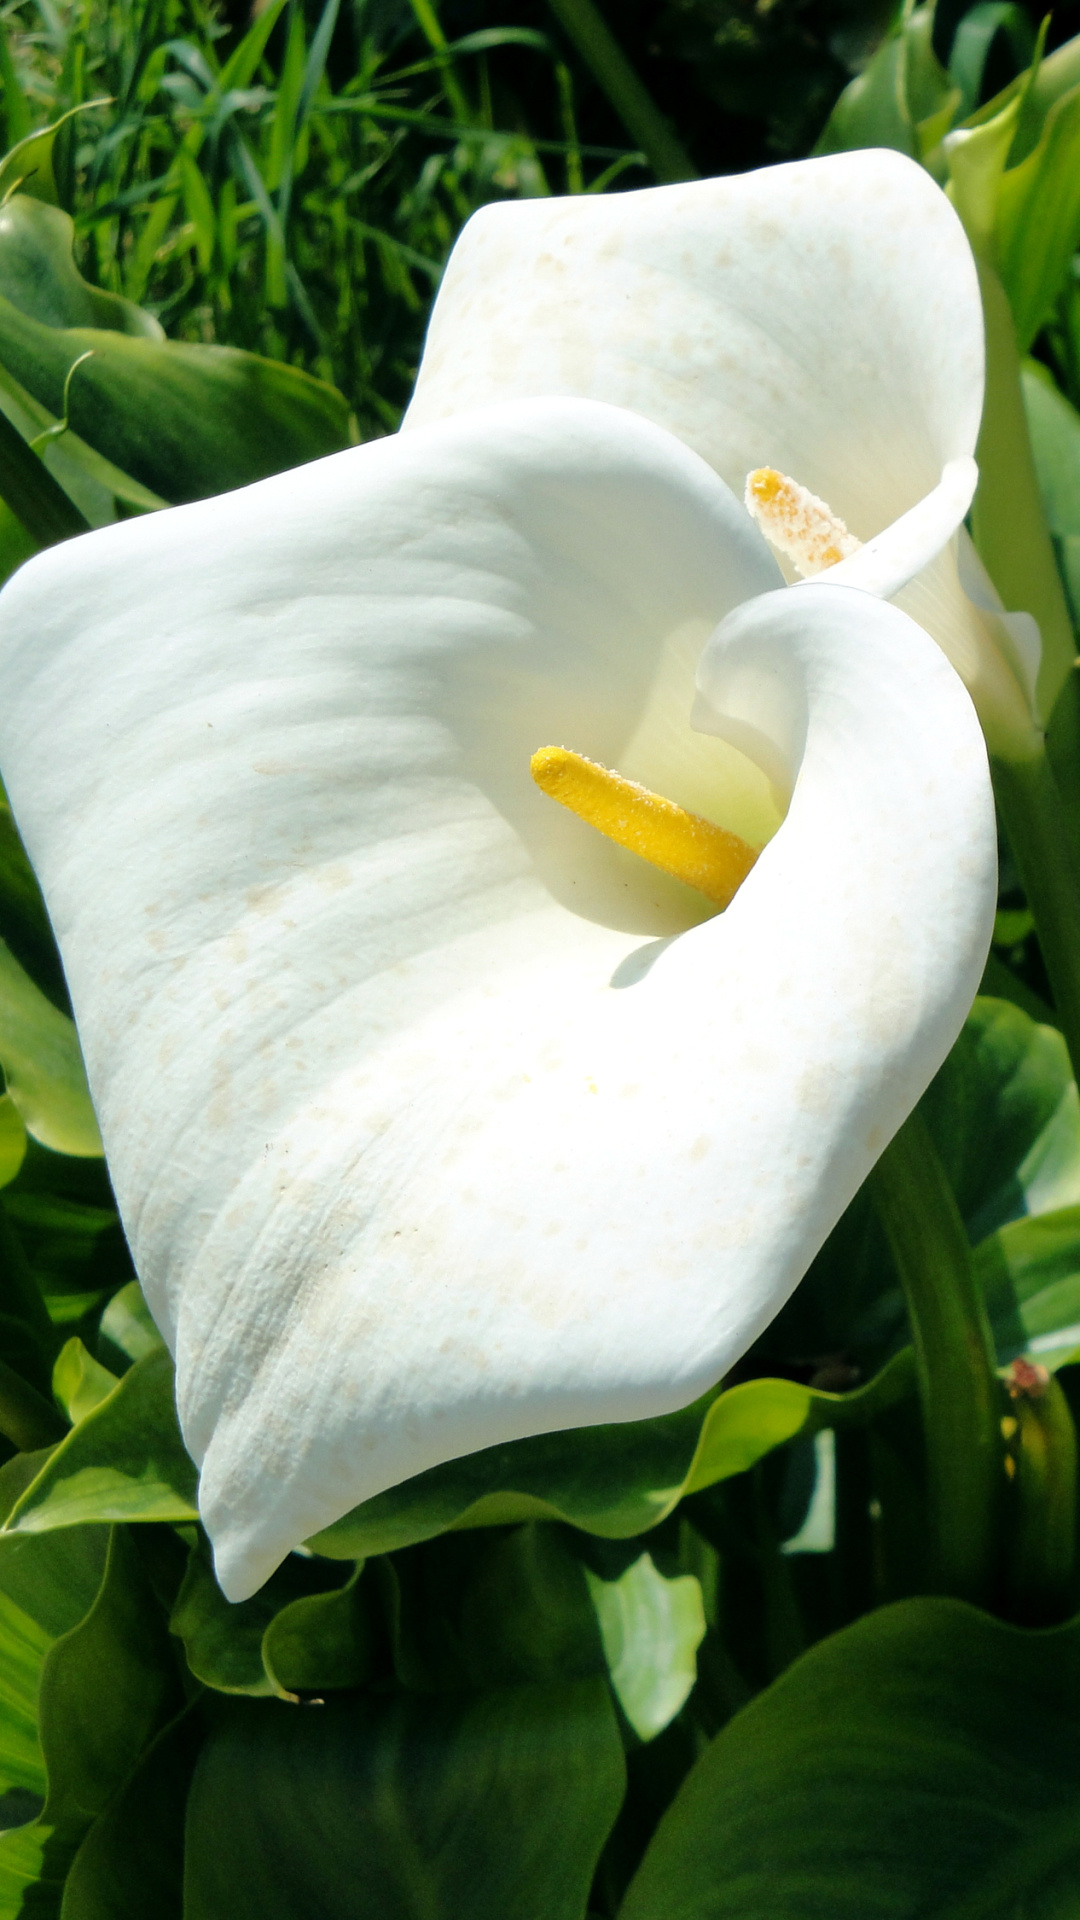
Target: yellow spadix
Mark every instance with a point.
(680, 843)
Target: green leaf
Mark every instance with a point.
(1054, 427)
(509, 1608)
(124, 1461)
(873, 111)
(80, 1382)
(23, 1646)
(614, 1481)
(24, 923)
(1037, 225)
(449, 1806)
(320, 1642)
(91, 481)
(223, 1640)
(1030, 1271)
(28, 164)
(107, 1687)
(975, 36)
(32, 495)
(127, 1332)
(39, 275)
(131, 1862)
(185, 421)
(39, 1052)
(12, 1139)
(651, 1628)
(1005, 1118)
(53, 1577)
(924, 1761)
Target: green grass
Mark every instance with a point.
(295, 188)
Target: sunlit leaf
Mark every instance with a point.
(39, 1052)
(1037, 224)
(124, 1461)
(651, 1627)
(614, 1481)
(80, 1382)
(12, 1139)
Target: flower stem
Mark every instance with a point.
(954, 1356)
(585, 25)
(1044, 844)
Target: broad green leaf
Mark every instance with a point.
(53, 1577)
(80, 1382)
(39, 1053)
(185, 421)
(651, 1627)
(614, 1481)
(924, 1761)
(93, 482)
(223, 1640)
(1005, 1118)
(74, 1248)
(39, 275)
(131, 1862)
(320, 1642)
(1030, 1271)
(107, 1687)
(482, 1806)
(12, 1139)
(23, 1646)
(124, 1461)
(509, 1608)
(1037, 225)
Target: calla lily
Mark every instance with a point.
(822, 319)
(435, 1118)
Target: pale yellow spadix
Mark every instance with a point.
(684, 844)
(797, 523)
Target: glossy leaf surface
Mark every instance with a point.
(124, 1461)
(924, 1761)
(471, 1805)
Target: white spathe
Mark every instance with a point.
(822, 318)
(425, 1131)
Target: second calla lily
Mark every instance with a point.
(822, 319)
(435, 1118)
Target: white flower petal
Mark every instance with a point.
(420, 1145)
(821, 318)
(893, 557)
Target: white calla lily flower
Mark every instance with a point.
(435, 1118)
(822, 319)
